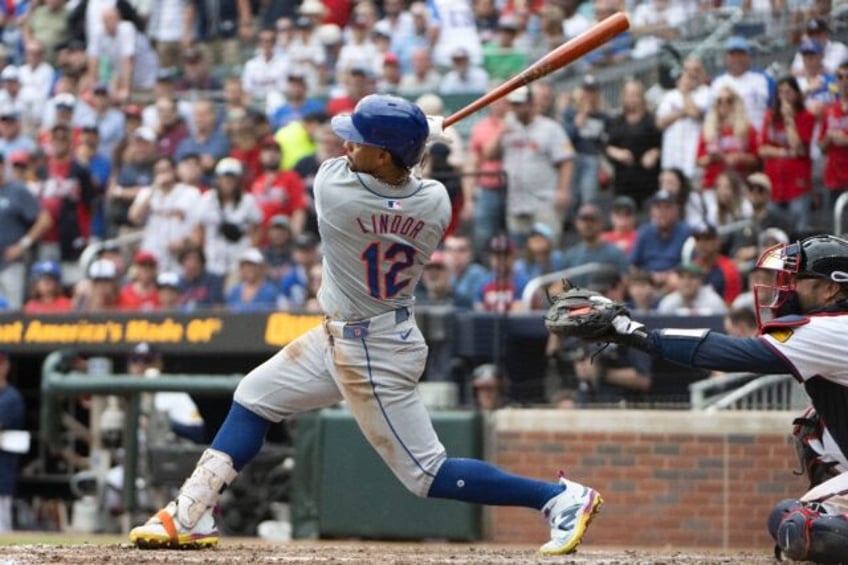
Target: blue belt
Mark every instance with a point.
(359, 330)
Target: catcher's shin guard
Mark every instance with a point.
(807, 535)
(188, 522)
(779, 512)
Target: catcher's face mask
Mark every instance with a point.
(778, 297)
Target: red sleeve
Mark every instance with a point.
(825, 121)
(702, 146)
(754, 139)
(297, 192)
(763, 138)
(805, 122)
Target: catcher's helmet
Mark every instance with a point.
(817, 257)
(387, 122)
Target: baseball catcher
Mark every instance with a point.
(802, 316)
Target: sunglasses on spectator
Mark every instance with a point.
(724, 100)
(758, 188)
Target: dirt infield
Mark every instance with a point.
(244, 552)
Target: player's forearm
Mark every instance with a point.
(710, 350)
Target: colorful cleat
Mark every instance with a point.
(164, 531)
(569, 514)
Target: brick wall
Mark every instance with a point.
(684, 479)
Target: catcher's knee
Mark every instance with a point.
(804, 534)
(779, 512)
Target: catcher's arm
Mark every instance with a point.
(588, 315)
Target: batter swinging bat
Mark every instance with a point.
(563, 55)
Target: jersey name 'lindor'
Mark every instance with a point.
(391, 223)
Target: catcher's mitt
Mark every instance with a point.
(584, 314)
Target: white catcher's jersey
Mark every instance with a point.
(816, 348)
(376, 239)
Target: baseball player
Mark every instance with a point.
(379, 225)
(803, 320)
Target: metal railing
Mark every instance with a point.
(838, 213)
(532, 287)
(748, 391)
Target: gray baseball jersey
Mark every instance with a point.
(369, 351)
(377, 239)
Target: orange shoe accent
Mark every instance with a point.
(168, 523)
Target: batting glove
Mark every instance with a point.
(437, 130)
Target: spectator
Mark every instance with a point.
(463, 78)
(297, 140)
(752, 87)
(815, 83)
(633, 146)
(501, 291)
(279, 192)
(756, 277)
(252, 292)
(71, 61)
(692, 297)
(141, 294)
(357, 83)
(617, 49)
(437, 164)
(294, 286)
(12, 139)
(167, 213)
(540, 256)
(654, 23)
(435, 288)
(659, 243)
(220, 28)
(692, 205)
(168, 31)
(359, 52)
(102, 292)
(207, 140)
(422, 78)
(196, 72)
(415, 41)
(537, 158)
(306, 51)
(451, 28)
(170, 127)
(591, 248)
(315, 276)
(298, 104)
(390, 75)
(833, 141)
(585, 124)
(328, 145)
(68, 196)
(466, 274)
(432, 105)
(46, 294)
(785, 149)
(743, 244)
(835, 52)
(679, 117)
(728, 141)
(199, 288)
(265, 73)
(109, 120)
(245, 147)
(484, 183)
(641, 292)
(12, 412)
(129, 63)
(13, 98)
(502, 59)
(488, 387)
(623, 219)
(36, 75)
(48, 24)
(278, 248)
(229, 219)
(168, 289)
(720, 271)
(741, 322)
(134, 173)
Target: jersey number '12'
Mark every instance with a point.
(400, 256)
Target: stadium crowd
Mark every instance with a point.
(122, 116)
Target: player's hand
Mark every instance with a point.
(437, 130)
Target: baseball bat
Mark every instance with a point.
(563, 55)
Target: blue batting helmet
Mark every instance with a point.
(46, 268)
(387, 122)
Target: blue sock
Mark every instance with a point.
(241, 435)
(470, 480)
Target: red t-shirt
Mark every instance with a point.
(482, 134)
(250, 160)
(54, 190)
(790, 177)
(835, 118)
(280, 192)
(624, 241)
(60, 304)
(130, 299)
(726, 144)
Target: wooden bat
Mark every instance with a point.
(563, 55)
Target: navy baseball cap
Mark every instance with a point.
(808, 46)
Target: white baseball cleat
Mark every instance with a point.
(165, 531)
(569, 514)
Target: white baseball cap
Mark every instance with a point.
(11, 72)
(252, 255)
(102, 269)
(146, 134)
(229, 166)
